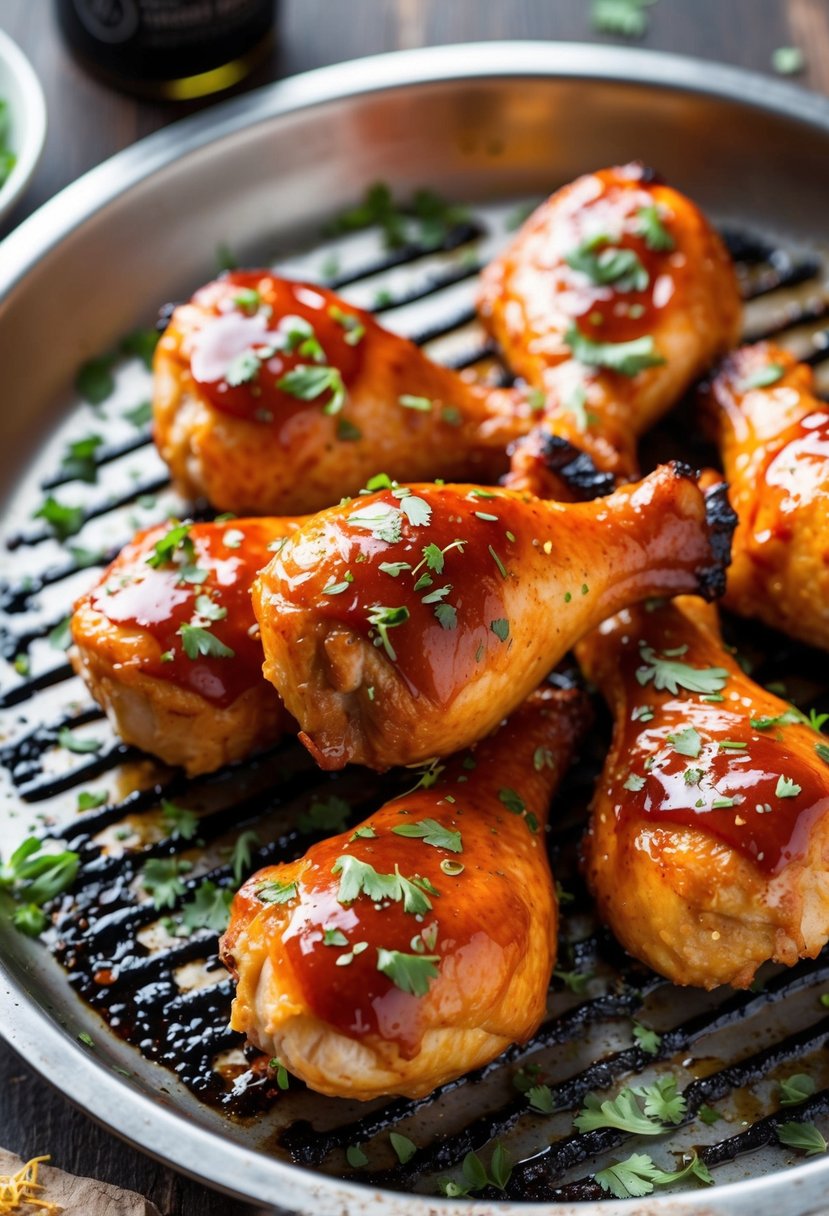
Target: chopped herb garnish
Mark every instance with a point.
(447, 616)
(686, 742)
(324, 815)
(283, 1079)
(161, 879)
(79, 459)
(637, 1175)
(33, 876)
(502, 570)
(95, 381)
(634, 783)
(383, 618)
(433, 833)
(208, 909)
(64, 520)
(646, 1038)
(692, 776)
(764, 377)
(622, 1112)
(347, 431)
(361, 878)
(576, 981)
(241, 855)
(139, 415)
(394, 569)
(88, 801)
(198, 641)
(165, 549)
(353, 326)
(669, 674)
(796, 1089)
(626, 358)
(339, 588)
(788, 60)
(786, 788)
(309, 381)
(411, 973)
(273, 891)
(625, 18)
(77, 744)
(382, 519)
(707, 1114)
(653, 231)
(540, 1099)
(243, 368)
(182, 823)
(355, 1156)
(604, 263)
(422, 405)
(785, 719)
(141, 343)
(823, 752)
(500, 628)
(334, 937)
(803, 1136)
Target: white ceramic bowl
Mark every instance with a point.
(20, 88)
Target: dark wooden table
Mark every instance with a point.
(88, 123)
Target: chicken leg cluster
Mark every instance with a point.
(412, 614)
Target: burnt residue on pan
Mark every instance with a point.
(168, 994)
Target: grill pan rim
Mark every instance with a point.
(27, 1026)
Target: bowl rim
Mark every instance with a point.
(34, 102)
(137, 1117)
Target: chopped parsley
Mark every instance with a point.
(500, 628)
(309, 381)
(353, 326)
(662, 1105)
(166, 549)
(634, 783)
(89, 801)
(33, 876)
(274, 891)
(324, 815)
(411, 973)
(624, 18)
(361, 878)
(605, 264)
(208, 909)
(161, 879)
(796, 1089)
(241, 855)
(447, 616)
(637, 1175)
(64, 520)
(786, 788)
(95, 381)
(75, 743)
(686, 742)
(404, 1148)
(650, 227)
(764, 377)
(433, 833)
(646, 1038)
(182, 823)
(668, 673)
(355, 1156)
(802, 1136)
(540, 1099)
(422, 405)
(78, 460)
(197, 640)
(626, 358)
(383, 618)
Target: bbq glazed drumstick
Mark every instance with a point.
(406, 624)
(614, 296)
(394, 958)
(710, 826)
(773, 434)
(168, 645)
(275, 397)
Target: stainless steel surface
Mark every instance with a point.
(261, 173)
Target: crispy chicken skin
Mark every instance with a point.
(614, 257)
(354, 399)
(466, 940)
(708, 849)
(200, 712)
(773, 434)
(406, 624)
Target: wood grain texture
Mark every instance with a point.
(88, 122)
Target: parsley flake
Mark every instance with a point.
(651, 228)
(626, 358)
(412, 973)
(431, 832)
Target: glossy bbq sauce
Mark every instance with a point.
(245, 332)
(480, 920)
(448, 633)
(158, 600)
(731, 790)
(616, 311)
